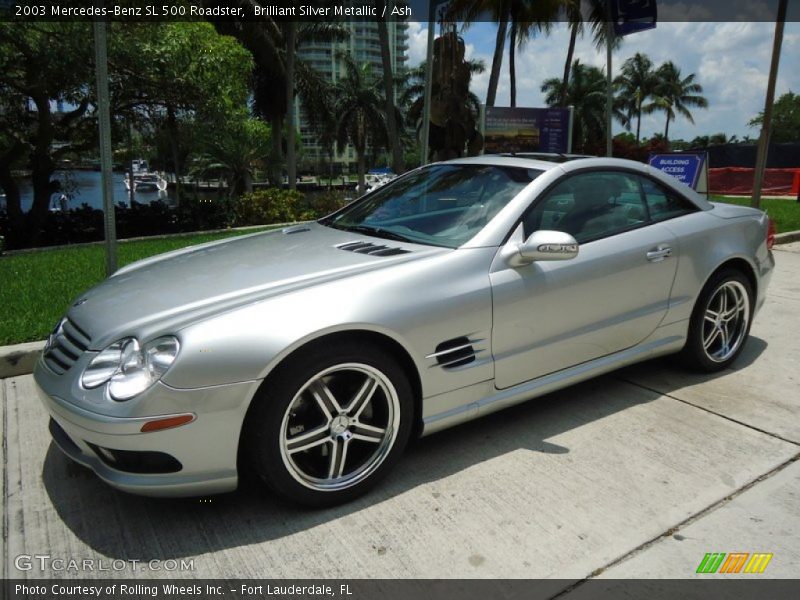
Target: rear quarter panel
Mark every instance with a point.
(708, 239)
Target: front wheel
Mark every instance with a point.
(329, 425)
(720, 323)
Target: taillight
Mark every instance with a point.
(771, 234)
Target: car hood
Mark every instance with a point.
(174, 289)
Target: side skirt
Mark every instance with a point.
(484, 398)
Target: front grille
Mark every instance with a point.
(67, 343)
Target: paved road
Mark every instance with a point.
(638, 473)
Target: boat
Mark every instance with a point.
(60, 204)
(377, 178)
(144, 180)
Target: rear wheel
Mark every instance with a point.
(720, 322)
(329, 425)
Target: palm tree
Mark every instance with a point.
(274, 55)
(586, 92)
(674, 94)
(232, 144)
(519, 19)
(455, 111)
(413, 95)
(470, 11)
(359, 107)
(526, 18)
(596, 20)
(635, 85)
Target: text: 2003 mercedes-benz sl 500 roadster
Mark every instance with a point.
(313, 353)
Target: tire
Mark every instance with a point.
(716, 340)
(327, 426)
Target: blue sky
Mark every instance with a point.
(731, 61)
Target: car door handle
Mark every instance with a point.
(659, 254)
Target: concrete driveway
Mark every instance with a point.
(636, 474)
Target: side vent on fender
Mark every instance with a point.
(455, 353)
(372, 249)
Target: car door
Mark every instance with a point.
(550, 315)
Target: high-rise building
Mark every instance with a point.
(364, 46)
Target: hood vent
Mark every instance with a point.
(372, 249)
(455, 353)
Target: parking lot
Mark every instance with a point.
(635, 474)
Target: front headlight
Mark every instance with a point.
(128, 368)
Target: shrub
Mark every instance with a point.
(270, 205)
(319, 204)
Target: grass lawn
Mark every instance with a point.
(36, 288)
(785, 213)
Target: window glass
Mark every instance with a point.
(663, 203)
(590, 206)
(442, 205)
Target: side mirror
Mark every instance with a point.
(547, 245)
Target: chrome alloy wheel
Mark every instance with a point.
(339, 427)
(725, 321)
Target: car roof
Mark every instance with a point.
(574, 162)
(506, 160)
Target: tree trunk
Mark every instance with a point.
(497, 60)
(16, 219)
(362, 169)
(512, 74)
(247, 183)
(42, 168)
(666, 129)
(638, 120)
(275, 174)
(172, 127)
(573, 37)
(388, 90)
(291, 159)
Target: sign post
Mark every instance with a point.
(104, 120)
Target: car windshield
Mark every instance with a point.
(442, 205)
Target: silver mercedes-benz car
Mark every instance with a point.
(313, 353)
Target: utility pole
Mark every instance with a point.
(766, 125)
(104, 119)
(426, 110)
(291, 131)
(609, 90)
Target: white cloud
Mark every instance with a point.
(417, 42)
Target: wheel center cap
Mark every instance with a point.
(339, 425)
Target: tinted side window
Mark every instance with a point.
(590, 206)
(662, 203)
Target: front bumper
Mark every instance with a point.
(205, 449)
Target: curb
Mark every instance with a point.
(19, 359)
(787, 238)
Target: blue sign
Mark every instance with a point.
(630, 16)
(686, 168)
